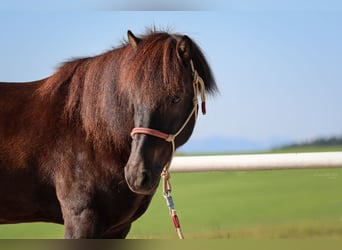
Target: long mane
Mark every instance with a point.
(157, 66)
(97, 89)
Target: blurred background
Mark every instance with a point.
(278, 68)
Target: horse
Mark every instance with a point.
(84, 147)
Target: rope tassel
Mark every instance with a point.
(204, 110)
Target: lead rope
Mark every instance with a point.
(198, 84)
(170, 203)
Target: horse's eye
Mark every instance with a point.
(174, 99)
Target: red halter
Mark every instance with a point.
(149, 131)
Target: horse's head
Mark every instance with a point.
(163, 88)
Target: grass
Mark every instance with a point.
(31, 231)
(235, 205)
(263, 204)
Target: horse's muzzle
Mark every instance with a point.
(139, 180)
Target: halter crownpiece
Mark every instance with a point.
(198, 85)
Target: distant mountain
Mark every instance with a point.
(318, 142)
(226, 145)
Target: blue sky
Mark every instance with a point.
(278, 67)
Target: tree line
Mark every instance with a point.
(319, 142)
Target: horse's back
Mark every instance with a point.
(14, 98)
(16, 117)
(17, 91)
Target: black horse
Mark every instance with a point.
(66, 151)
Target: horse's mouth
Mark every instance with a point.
(139, 190)
(141, 183)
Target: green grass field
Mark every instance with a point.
(253, 204)
(263, 204)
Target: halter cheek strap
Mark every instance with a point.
(198, 84)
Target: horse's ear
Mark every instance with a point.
(133, 40)
(184, 48)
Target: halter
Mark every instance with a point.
(198, 85)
